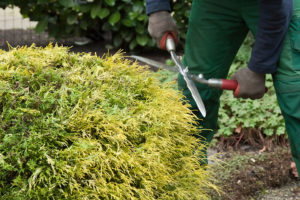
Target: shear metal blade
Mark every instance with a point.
(154, 63)
(190, 84)
(195, 94)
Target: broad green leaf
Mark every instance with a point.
(114, 18)
(133, 15)
(95, 11)
(110, 2)
(132, 44)
(142, 39)
(67, 3)
(128, 22)
(268, 132)
(177, 6)
(280, 130)
(140, 29)
(142, 17)
(138, 7)
(104, 12)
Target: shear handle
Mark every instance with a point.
(229, 84)
(168, 41)
(233, 85)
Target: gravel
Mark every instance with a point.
(290, 191)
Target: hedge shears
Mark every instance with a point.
(167, 42)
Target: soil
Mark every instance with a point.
(254, 167)
(258, 167)
(253, 175)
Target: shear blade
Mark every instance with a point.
(195, 94)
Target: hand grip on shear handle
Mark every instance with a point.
(229, 84)
(233, 85)
(167, 42)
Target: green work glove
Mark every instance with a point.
(161, 22)
(251, 84)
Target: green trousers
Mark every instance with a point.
(217, 29)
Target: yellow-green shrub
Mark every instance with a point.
(77, 126)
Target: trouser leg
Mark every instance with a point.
(287, 84)
(215, 33)
(287, 78)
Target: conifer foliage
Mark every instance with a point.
(77, 126)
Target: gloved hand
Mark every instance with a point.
(161, 22)
(251, 84)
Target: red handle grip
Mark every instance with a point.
(237, 91)
(163, 40)
(233, 85)
(229, 84)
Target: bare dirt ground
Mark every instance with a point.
(254, 175)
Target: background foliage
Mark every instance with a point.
(125, 20)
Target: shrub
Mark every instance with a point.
(76, 126)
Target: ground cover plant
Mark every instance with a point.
(77, 126)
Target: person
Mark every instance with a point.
(215, 32)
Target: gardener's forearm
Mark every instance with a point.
(274, 18)
(157, 5)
